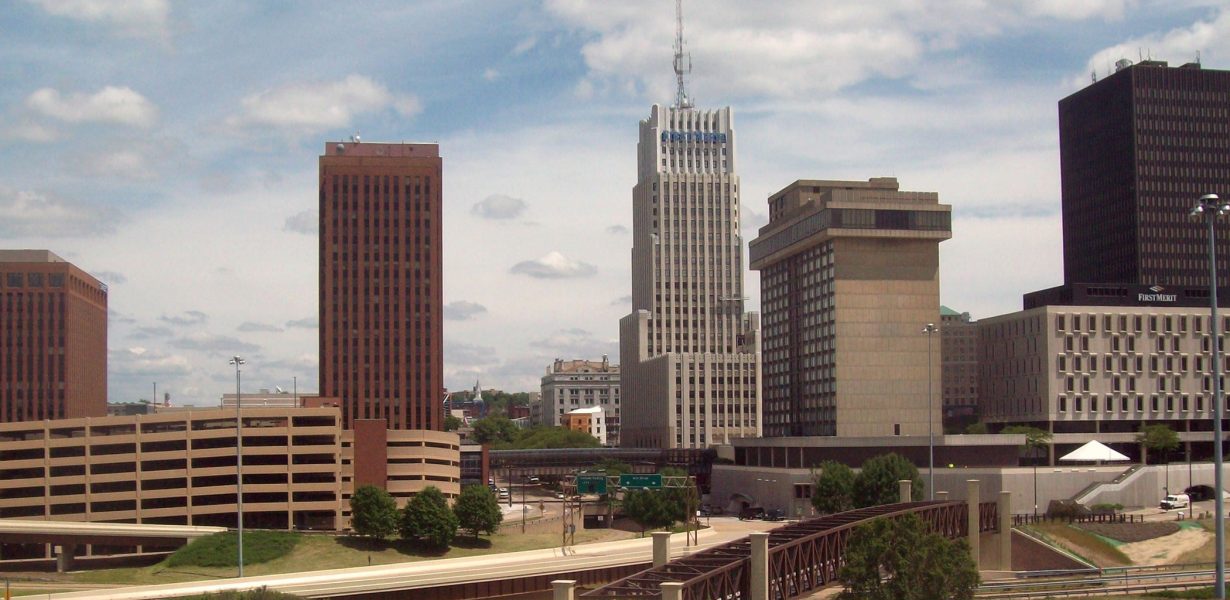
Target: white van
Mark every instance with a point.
(1175, 501)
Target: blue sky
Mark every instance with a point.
(170, 148)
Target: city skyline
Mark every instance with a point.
(169, 150)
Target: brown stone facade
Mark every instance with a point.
(53, 339)
(381, 296)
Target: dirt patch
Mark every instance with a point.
(1167, 549)
(1131, 532)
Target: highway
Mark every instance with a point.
(430, 573)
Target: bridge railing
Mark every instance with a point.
(802, 557)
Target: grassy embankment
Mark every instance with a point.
(317, 552)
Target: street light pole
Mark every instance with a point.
(1209, 208)
(239, 458)
(930, 329)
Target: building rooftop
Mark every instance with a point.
(29, 256)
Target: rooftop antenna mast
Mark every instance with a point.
(683, 62)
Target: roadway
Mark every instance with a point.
(432, 573)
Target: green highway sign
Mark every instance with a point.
(591, 483)
(640, 482)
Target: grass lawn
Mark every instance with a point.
(316, 552)
(1081, 543)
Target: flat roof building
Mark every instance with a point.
(572, 384)
(53, 338)
(381, 282)
(959, 363)
(849, 276)
(1137, 149)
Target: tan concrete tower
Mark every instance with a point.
(849, 278)
(689, 354)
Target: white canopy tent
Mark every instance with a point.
(1094, 450)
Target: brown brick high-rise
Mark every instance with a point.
(380, 282)
(53, 339)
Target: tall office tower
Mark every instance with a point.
(849, 278)
(380, 282)
(53, 339)
(689, 355)
(1137, 149)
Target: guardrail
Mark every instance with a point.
(1100, 585)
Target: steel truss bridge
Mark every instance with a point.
(803, 557)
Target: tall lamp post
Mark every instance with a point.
(235, 360)
(930, 329)
(1209, 207)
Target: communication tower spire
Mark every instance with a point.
(683, 62)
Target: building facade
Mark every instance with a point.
(1091, 369)
(572, 384)
(690, 355)
(959, 366)
(1137, 149)
(299, 468)
(590, 419)
(53, 339)
(849, 277)
(381, 282)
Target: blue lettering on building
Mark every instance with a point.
(709, 137)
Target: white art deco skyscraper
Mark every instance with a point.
(690, 357)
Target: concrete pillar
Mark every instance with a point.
(903, 490)
(1005, 531)
(671, 590)
(661, 548)
(64, 557)
(941, 496)
(972, 498)
(563, 589)
(758, 574)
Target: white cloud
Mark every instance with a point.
(145, 362)
(304, 323)
(577, 343)
(187, 318)
(214, 344)
(490, 74)
(310, 107)
(554, 266)
(462, 310)
(525, 45)
(29, 131)
(1208, 37)
(132, 18)
(35, 214)
(1075, 10)
(251, 327)
(121, 105)
(306, 222)
(499, 207)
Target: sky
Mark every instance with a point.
(170, 149)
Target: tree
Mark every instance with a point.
(451, 423)
(494, 429)
(478, 510)
(427, 517)
(553, 437)
(1158, 438)
(976, 429)
(648, 508)
(833, 491)
(877, 479)
(898, 559)
(373, 512)
(611, 466)
(1035, 440)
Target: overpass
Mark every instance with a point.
(799, 558)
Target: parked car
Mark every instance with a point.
(774, 514)
(559, 495)
(1173, 501)
(751, 513)
(1199, 492)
